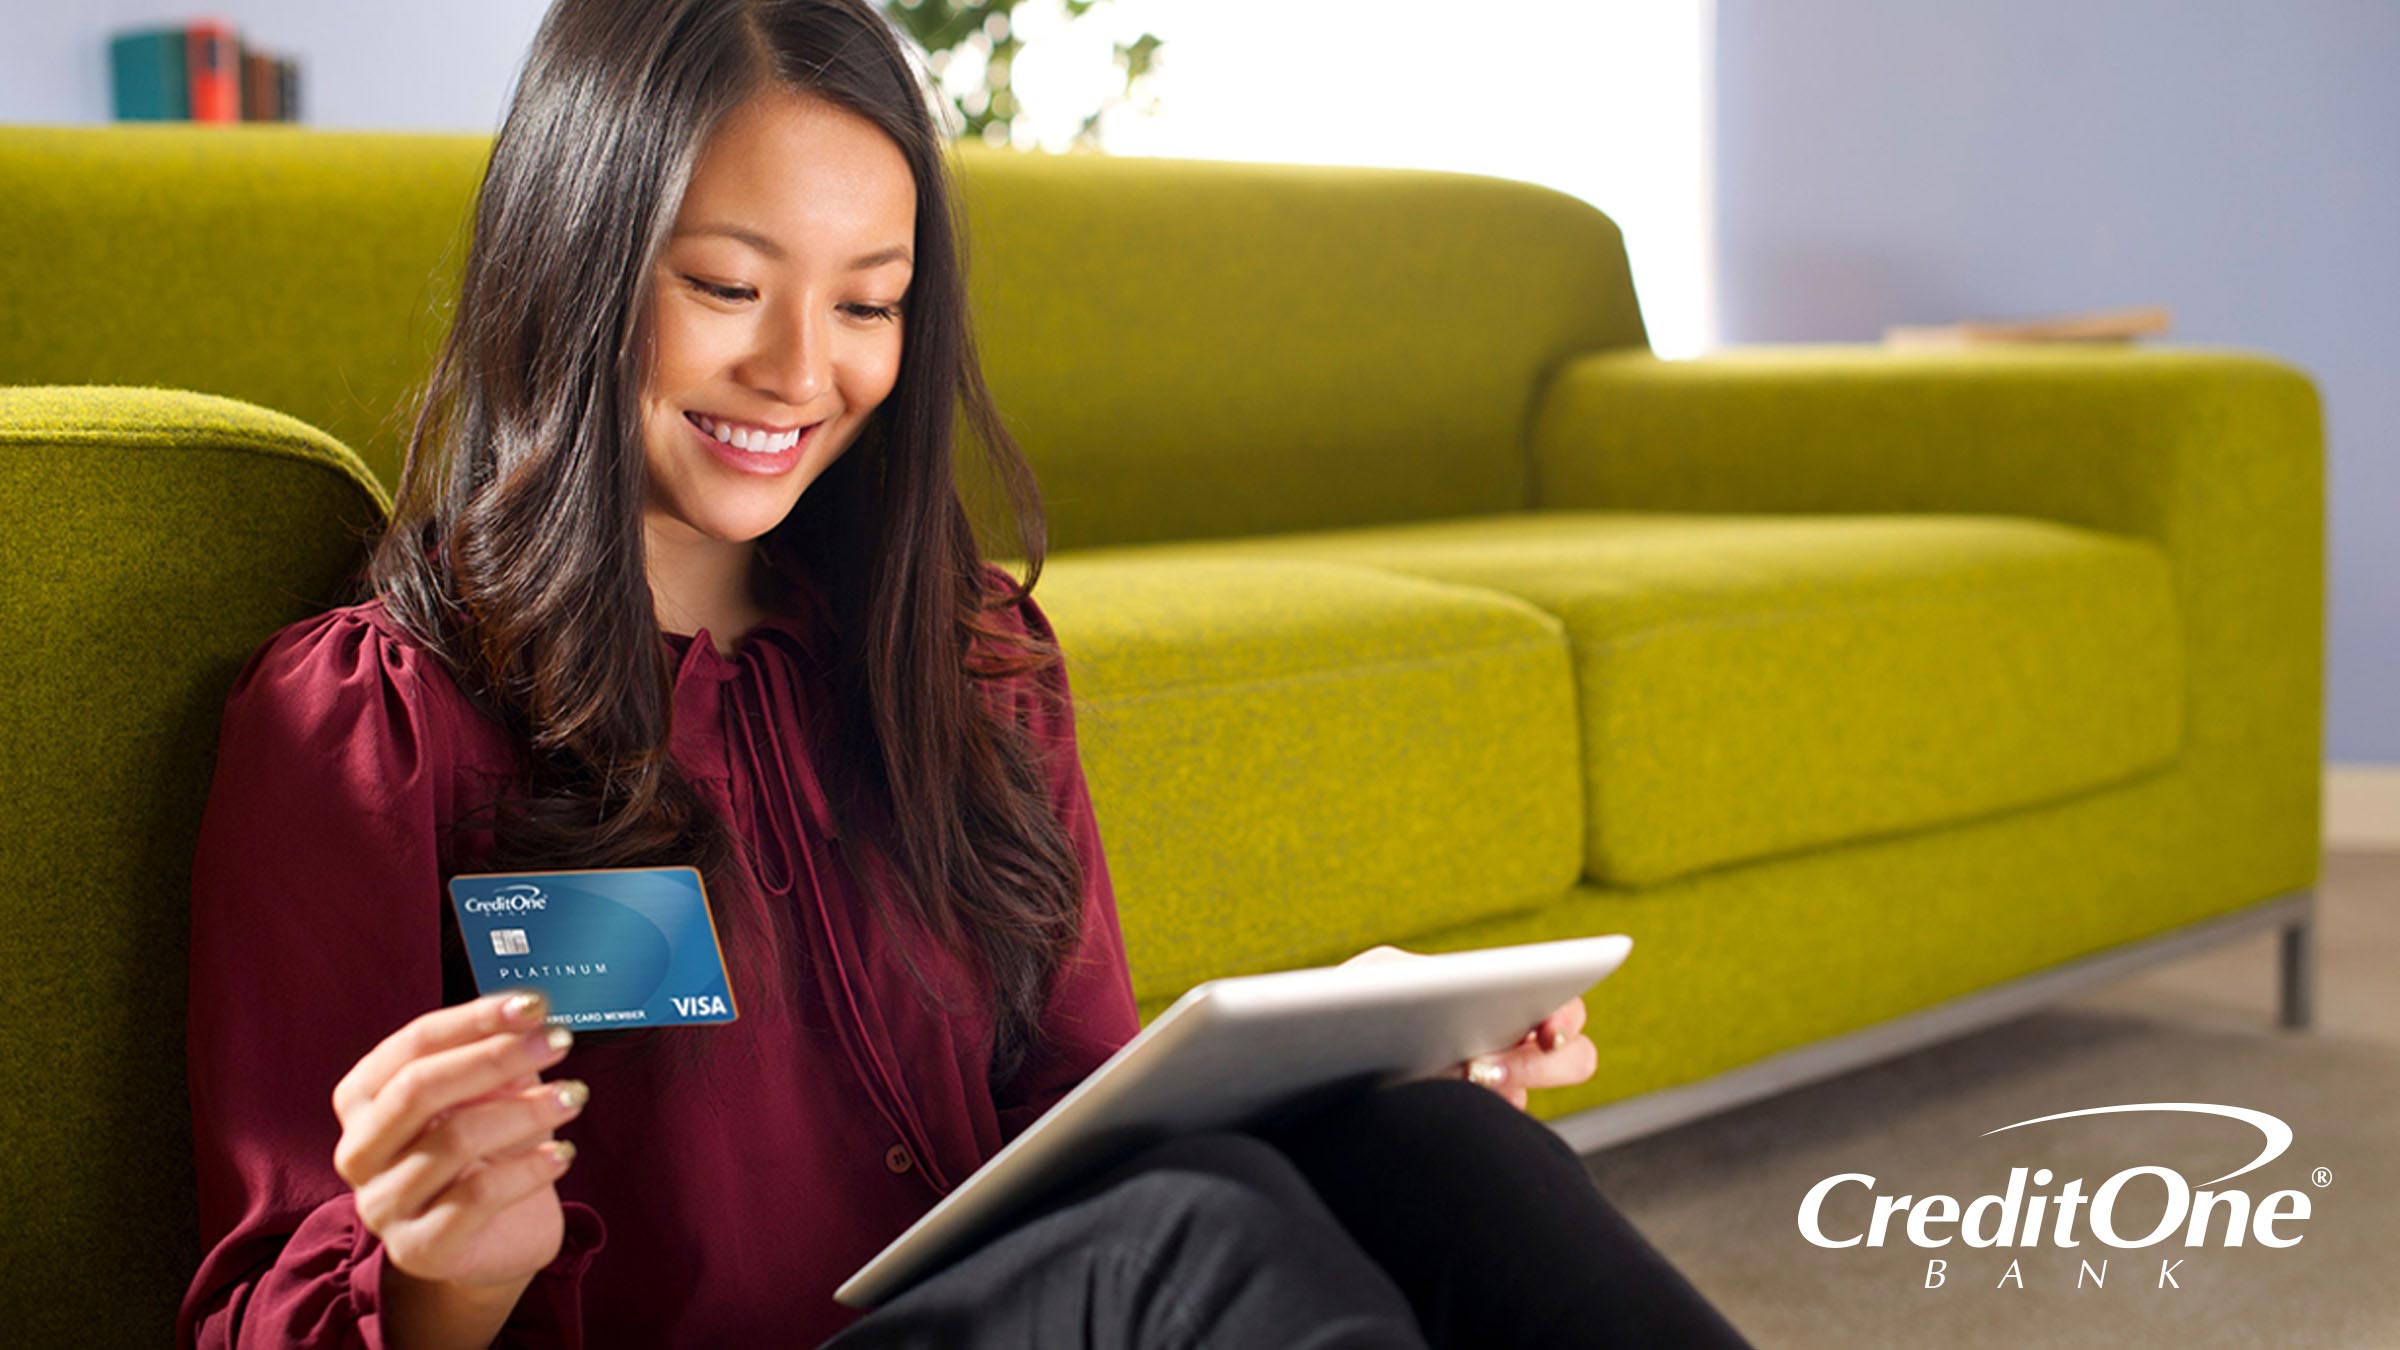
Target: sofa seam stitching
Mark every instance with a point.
(1204, 687)
(1756, 618)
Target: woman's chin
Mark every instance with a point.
(747, 531)
(735, 527)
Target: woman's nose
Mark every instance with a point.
(795, 360)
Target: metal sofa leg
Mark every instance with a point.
(2292, 913)
(2299, 985)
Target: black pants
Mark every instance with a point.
(1429, 1213)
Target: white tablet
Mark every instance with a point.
(1236, 1050)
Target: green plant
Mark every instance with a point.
(959, 34)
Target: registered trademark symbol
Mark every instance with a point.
(2322, 1177)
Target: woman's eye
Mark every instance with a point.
(725, 293)
(737, 294)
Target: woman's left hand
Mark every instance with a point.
(1555, 1053)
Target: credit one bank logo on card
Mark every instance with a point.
(2023, 1215)
(516, 899)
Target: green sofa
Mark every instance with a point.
(1407, 598)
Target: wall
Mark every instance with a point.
(1887, 161)
(444, 65)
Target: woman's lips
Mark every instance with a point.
(752, 461)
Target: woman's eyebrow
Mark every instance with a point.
(894, 253)
(751, 237)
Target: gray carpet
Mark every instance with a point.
(1721, 1197)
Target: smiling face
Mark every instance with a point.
(776, 318)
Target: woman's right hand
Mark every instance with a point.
(447, 1147)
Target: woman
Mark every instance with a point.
(678, 575)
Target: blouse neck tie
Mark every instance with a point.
(753, 688)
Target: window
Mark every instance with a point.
(1607, 100)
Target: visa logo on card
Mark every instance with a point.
(611, 946)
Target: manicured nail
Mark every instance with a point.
(572, 1094)
(562, 1152)
(560, 1038)
(525, 1007)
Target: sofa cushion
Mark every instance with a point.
(1755, 685)
(1261, 733)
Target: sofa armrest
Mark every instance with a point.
(2169, 444)
(2215, 455)
(154, 539)
(92, 422)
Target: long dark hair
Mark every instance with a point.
(516, 551)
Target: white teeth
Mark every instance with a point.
(756, 442)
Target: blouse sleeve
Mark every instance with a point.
(1091, 1012)
(316, 932)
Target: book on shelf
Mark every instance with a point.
(2108, 325)
(146, 76)
(260, 95)
(214, 67)
(199, 72)
(270, 87)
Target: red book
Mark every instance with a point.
(214, 70)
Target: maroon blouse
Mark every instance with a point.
(721, 1205)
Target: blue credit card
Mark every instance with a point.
(611, 946)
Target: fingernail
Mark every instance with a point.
(1484, 1072)
(525, 1007)
(562, 1152)
(549, 1039)
(572, 1094)
(560, 1038)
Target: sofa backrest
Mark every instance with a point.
(307, 272)
(1185, 349)
(1190, 350)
